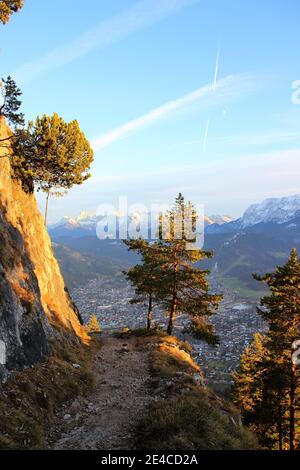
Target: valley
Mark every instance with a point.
(235, 323)
(257, 242)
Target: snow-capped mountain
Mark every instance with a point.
(86, 223)
(90, 224)
(83, 225)
(217, 219)
(272, 210)
(84, 219)
(278, 210)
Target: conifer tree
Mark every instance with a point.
(9, 109)
(185, 288)
(253, 397)
(246, 391)
(145, 277)
(168, 273)
(10, 103)
(93, 326)
(8, 7)
(275, 374)
(52, 155)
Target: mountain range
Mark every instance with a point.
(256, 242)
(86, 223)
(272, 210)
(277, 210)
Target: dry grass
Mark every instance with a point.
(29, 399)
(168, 360)
(190, 417)
(170, 356)
(190, 422)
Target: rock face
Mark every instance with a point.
(34, 303)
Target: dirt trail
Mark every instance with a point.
(105, 419)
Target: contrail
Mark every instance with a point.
(206, 135)
(216, 69)
(226, 89)
(214, 89)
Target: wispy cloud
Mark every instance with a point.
(222, 91)
(142, 14)
(285, 162)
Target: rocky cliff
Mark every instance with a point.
(34, 303)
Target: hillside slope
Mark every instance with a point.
(78, 268)
(34, 304)
(256, 249)
(148, 394)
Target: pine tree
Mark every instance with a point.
(11, 103)
(246, 379)
(253, 397)
(93, 326)
(275, 374)
(52, 155)
(145, 277)
(185, 288)
(282, 312)
(8, 7)
(168, 273)
(9, 109)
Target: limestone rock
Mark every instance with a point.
(34, 302)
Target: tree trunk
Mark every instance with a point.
(174, 300)
(280, 433)
(292, 406)
(47, 205)
(172, 311)
(149, 316)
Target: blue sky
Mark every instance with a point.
(175, 95)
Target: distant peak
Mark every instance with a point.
(278, 210)
(85, 215)
(218, 219)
